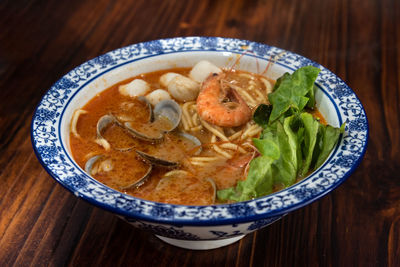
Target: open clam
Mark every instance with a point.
(98, 163)
(101, 163)
(103, 123)
(194, 140)
(170, 111)
(157, 161)
(140, 181)
(148, 105)
(146, 132)
(91, 162)
(164, 118)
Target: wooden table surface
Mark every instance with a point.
(41, 223)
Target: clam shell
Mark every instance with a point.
(157, 161)
(192, 138)
(169, 176)
(142, 136)
(90, 162)
(148, 105)
(141, 181)
(169, 109)
(164, 109)
(103, 122)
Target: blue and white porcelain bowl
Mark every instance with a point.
(194, 227)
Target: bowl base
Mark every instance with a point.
(200, 244)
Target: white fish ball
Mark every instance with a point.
(166, 78)
(183, 89)
(137, 87)
(157, 96)
(202, 70)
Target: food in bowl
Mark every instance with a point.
(203, 135)
(194, 227)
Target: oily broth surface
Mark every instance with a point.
(128, 167)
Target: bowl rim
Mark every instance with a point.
(273, 205)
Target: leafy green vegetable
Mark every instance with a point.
(311, 127)
(292, 142)
(284, 168)
(267, 147)
(293, 91)
(326, 140)
(279, 80)
(261, 114)
(311, 96)
(258, 182)
(295, 134)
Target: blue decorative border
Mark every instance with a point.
(51, 153)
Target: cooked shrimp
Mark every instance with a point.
(220, 104)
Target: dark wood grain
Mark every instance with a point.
(43, 224)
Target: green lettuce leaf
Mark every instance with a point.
(259, 182)
(326, 141)
(311, 127)
(294, 139)
(293, 92)
(311, 96)
(279, 80)
(285, 167)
